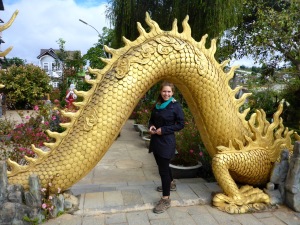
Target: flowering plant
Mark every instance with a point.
(188, 142)
(143, 113)
(48, 199)
(6, 126)
(30, 131)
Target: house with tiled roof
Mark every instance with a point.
(51, 64)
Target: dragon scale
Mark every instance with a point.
(116, 90)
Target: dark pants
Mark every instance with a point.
(165, 173)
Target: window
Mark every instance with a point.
(46, 66)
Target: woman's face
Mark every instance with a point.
(166, 93)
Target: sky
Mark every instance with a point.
(41, 23)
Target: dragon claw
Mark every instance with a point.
(249, 199)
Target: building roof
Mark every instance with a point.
(1, 5)
(53, 53)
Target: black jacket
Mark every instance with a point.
(169, 119)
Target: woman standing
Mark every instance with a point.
(166, 118)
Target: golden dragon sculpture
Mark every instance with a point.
(242, 151)
(4, 27)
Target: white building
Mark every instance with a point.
(50, 63)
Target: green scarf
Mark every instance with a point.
(163, 105)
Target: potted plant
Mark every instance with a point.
(190, 151)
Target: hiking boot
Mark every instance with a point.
(162, 205)
(172, 187)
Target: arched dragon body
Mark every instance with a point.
(128, 75)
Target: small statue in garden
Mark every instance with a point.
(70, 97)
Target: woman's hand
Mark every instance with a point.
(158, 131)
(152, 130)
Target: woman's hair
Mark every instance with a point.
(165, 83)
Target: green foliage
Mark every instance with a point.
(7, 62)
(24, 85)
(291, 113)
(188, 142)
(142, 112)
(34, 221)
(207, 16)
(266, 99)
(94, 53)
(276, 28)
(6, 125)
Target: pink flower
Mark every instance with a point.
(53, 117)
(201, 154)
(27, 117)
(46, 123)
(50, 197)
(43, 189)
(44, 205)
(36, 108)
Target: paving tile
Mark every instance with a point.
(272, 221)
(113, 198)
(93, 200)
(132, 197)
(222, 217)
(93, 220)
(65, 219)
(185, 192)
(138, 218)
(115, 218)
(180, 215)
(247, 219)
(213, 187)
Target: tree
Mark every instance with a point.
(93, 54)
(206, 16)
(71, 63)
(270, 33)
(24, 85)
(7, 62)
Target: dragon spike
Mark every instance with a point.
(239, 142)
(50, 145)
(91, 81)
(29, 159)
(224, 63)
(245, 112)
(38, 151)
(203, 41)
(105, 60)
(15, 167)
(213, 47)
(152, 24)
(126, 41)
(174, 26)
(242, 99)
(79, 104)
(110, 50)
(65, 125)
(4, 53)
(186, 27)
(141, 29)
(237, 89)
(81, 93)
(56, 135)
(248, 139)
(230, 74)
